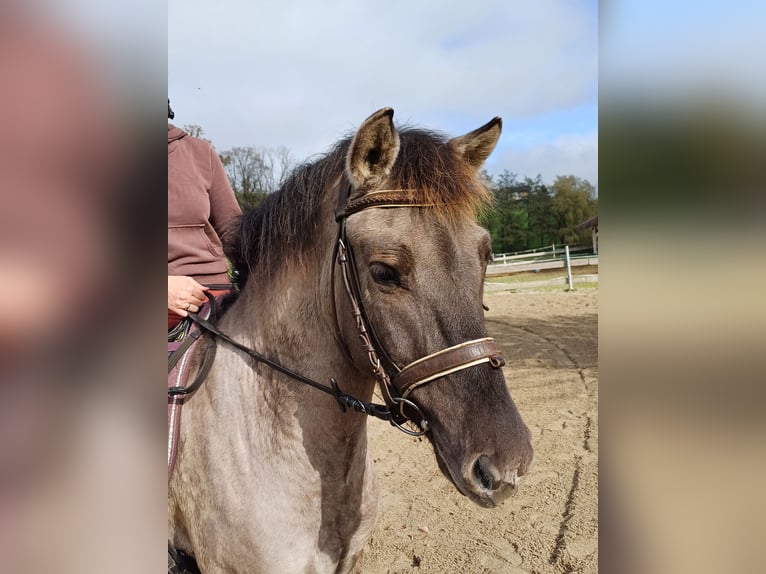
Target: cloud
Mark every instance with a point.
(301, 74)
(569, 154)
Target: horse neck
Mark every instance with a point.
(289, 317)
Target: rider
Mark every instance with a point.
(201, 204)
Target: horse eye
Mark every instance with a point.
(384, 274)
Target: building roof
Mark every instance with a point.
(592, 222)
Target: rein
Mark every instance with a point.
(345, 400)
(399, 409)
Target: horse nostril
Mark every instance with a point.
(482, 472)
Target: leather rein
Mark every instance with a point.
(399, 409)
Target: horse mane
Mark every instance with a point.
(285, 225)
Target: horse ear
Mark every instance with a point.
(476, 146)
(373, 150)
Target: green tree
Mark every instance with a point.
(541, 223)
(573, 202)
(507, 220)
(527, 214)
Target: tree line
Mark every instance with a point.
(527, 213)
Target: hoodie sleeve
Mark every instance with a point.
(223, 202)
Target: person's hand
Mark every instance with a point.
(184, 295)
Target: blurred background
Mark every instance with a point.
(681, 330)
(682, 315)
(82, 424)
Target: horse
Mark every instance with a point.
(366, 267)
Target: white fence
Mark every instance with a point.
(563, 282)
(551, 253)
(554, 257)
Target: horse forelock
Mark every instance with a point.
(434, 173)
(285, 227)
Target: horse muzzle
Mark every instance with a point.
(487, 485)
(490, 478)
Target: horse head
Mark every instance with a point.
(420, 261)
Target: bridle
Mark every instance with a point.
(395, 389)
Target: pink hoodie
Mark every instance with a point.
(201, 204)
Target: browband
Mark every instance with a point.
(380, 198)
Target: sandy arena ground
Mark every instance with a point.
(425, 526)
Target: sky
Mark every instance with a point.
(303, 74)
